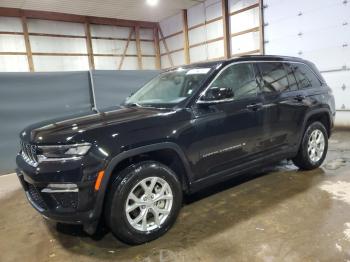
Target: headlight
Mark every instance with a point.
(62, 152)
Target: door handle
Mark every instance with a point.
(299, 98)
(254, 106)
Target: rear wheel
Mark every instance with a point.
(143, 202)
(313, 147)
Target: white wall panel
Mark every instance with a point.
(198, 53)
(106, 63)
(162, 47)
(340, 84)
(175, 42)
(12, 43)
(336, 58)
(57, 44)
(149, 63)
(178, 58)
(208, 3)
(342, 118)
(171, 25)
(196, 15)
(101, 46)
(61, 63)
(216, 49)
(164, 60)
(197, 35)
(214, 30)
(109, 31)
(130, 63)
(245, 20)
(146, 33)
(147, 48)
(11, 24)
(13, 63)
(214, 10)
(132, 50)
(245, 43)
(55, 27)
(235, 5)
(201, 13)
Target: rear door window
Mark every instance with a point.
(274, 77)
(293, 85)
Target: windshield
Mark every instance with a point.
(169, 88)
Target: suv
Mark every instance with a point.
(188, 128)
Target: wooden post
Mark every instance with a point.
(27, 44)
(226, 24)
(89, 46)
(185, 32)
(156, 47)
(261, 27)
(126, 49)
(165, 46)
(138, 46)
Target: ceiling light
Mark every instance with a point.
(152, 2)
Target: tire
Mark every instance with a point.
(119, 199)
(305, 159)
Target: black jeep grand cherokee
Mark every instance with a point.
(188, 128)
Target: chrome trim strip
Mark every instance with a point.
(42, 159)
(50, 190)
(64, 145)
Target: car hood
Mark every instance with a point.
(67, 129)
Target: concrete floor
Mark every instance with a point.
(278, 214)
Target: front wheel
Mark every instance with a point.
(143, 202)
(313, 147)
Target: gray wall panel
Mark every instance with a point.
(112, 87)
(26, 98)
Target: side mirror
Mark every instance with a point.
(216, 95)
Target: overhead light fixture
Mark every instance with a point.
(152, 2)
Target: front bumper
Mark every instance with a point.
(74, 202)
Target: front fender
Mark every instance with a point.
(96, 213)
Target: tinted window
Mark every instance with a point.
(293, 85)
(304, 76)
(274, 77)
(240, 78)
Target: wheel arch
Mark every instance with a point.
(186, 178)
(322, 115)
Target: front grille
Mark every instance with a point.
(29, 153)
(36, 197)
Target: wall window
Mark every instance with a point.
(274, 77)
(240, 78)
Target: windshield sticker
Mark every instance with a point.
(198, 71)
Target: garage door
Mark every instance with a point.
(315, 30)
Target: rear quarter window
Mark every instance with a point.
(304, 76)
